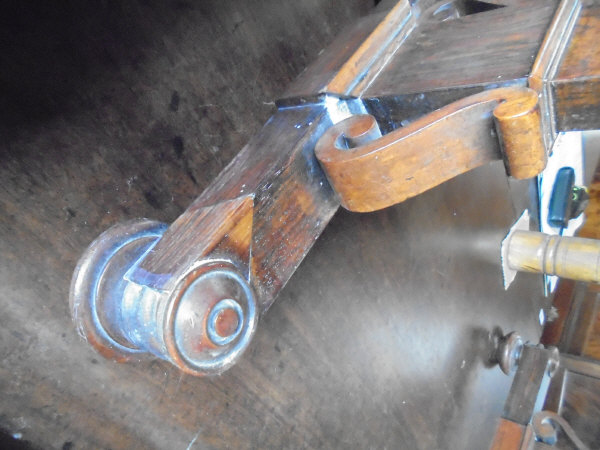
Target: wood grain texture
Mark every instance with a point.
(120, 112)
(547, 62)
(358, 54)
(576, 87)
(264, 210)
(581, 407)
(565, 257)
(529, 380)
(369, 59)
(442, 62)
(591, 348)
(331, 59)
(577, 327)
(574, 394)
(555, 42)
(508, 435)
(362, 348)
(461, 136)
(491, 47)
(115, 111)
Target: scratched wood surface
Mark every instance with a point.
(577, 328)
(574, 393)
(113, 111)
(577, 83)
(444, 61)
(581, 406)
(381, 339)
(476, 49)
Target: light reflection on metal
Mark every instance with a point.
(545, 427)
(509, 351)
(219, 310)
(97, 287)
(202, 326)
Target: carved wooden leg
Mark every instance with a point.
(192, 293)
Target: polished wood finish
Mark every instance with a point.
(574, 393)
(509, 435)
(555, 42)
(263, 211)
(269, 231)
(518, 125)
(549, 46)
(577, 84)
(591, 347)
(566, 257)
(439, 146)
(548, 59)
(319, 74)
(365, 63)
(114, 111)
(120, 112)
(490, 48)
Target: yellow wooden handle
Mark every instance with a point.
(566, 257)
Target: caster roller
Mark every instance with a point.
(201, 325)
(99, 283)
(210, 319)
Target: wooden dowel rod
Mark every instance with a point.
(566, 257)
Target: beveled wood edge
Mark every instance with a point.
(555, 43)
(554, 396)
(508, 436)
(568, 364)
(547, 62)
(394, 28)
(572, 319)
(580, 364)
(386, 53)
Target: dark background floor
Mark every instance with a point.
(116, 110)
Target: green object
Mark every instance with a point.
(580, 200)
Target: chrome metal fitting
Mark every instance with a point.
(509, 351)
(202, 325)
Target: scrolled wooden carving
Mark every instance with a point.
(370, 172)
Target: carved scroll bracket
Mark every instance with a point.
(370, 172)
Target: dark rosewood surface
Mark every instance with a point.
(383, 335)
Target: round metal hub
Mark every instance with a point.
(97, 286)
(210, 320)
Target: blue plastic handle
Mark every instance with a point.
(559, 212)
